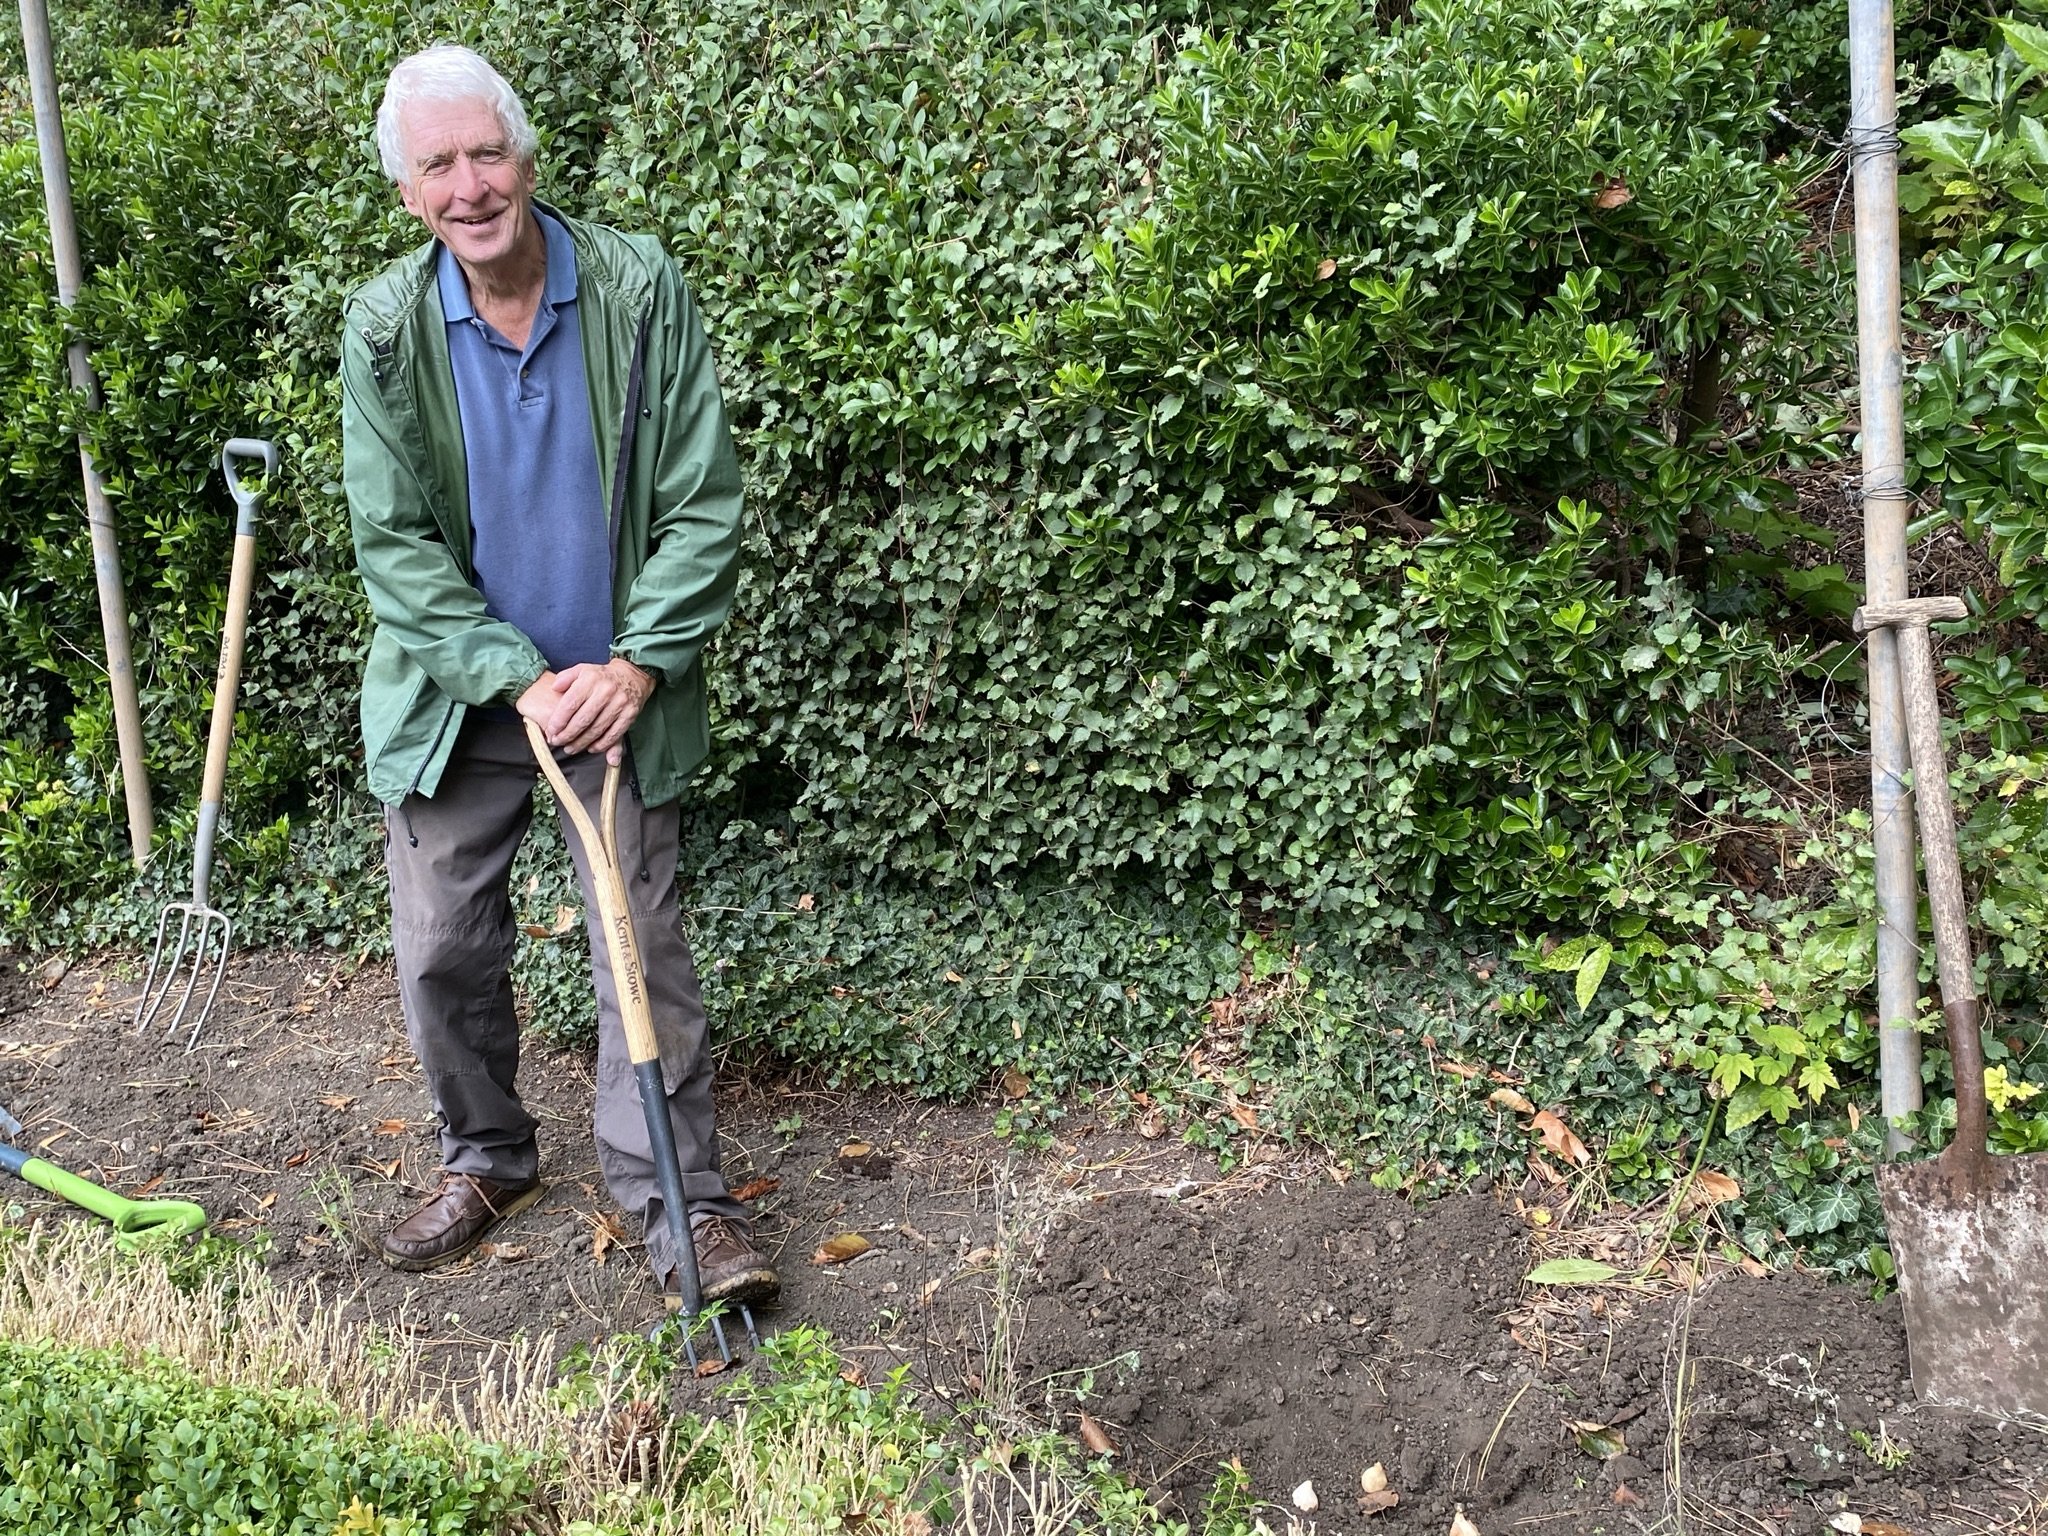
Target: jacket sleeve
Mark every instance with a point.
(684, 591)
(416, 588)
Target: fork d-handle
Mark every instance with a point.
(228, 681)
(630, 983)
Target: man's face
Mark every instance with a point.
(467, 186)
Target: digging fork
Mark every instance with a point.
(199, 921)
(615, 915)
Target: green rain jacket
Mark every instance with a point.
(671, 483)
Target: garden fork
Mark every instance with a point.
(622, 945)
(203, 929)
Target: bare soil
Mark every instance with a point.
(1308, 1327)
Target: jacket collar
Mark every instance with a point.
(607, 263)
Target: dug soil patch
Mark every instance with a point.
(1310, 1329)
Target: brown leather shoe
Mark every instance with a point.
(454, 1220)
(729, 1266)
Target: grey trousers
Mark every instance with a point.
(450, 861)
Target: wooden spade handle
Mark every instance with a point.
(614, 913)
(1946, 903)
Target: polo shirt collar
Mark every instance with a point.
(561, 279)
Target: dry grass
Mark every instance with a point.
(607, 1455)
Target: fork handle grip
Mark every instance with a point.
(615, 915)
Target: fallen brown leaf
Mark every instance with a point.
(710, 1365)
(1557, 1136)
(1462, 1069)
(1614, 194)
(510, 1253)
(1373, 1503)
(1460, 1526)
(393, 1127)
(565, 919)
(806, 902)
(298, 1157)
(929, 1289)
(1245, 1116)
(267, 1201)
(1625, 1495)
(1716, 1187)
(754, 1189)
(605, 1232)
(1152, 1125)
(1015, 1083)
(839, 1249)
(143, 1193)
(1095, 1437)
(338, 1100)
(955, 977)
(534, 930)
(1326, 269)
(1507, 1098)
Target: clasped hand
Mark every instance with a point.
(588, 707)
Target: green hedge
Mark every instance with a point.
(90, 1442)
(1092, 527)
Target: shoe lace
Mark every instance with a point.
(718, 1229)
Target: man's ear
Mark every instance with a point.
(407, 196)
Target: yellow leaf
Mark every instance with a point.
(1015, 1083)
(837, 1250)
(2002, 1092)
(1507, 1098)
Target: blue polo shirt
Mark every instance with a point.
(539, 534)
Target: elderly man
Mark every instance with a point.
(545, 504)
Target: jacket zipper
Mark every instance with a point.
(421, 772)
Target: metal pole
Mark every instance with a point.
(106, 553)
(1873, 155)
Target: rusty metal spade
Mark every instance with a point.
(1969, 1231)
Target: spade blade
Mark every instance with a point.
(1969, 1239)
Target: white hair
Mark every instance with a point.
(447, 72)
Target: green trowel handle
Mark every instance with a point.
(133, 1219)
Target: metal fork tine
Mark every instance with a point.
(747, 1317)
(220, 970)
(718, 1332)
(192, 977)
(153, 1004)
